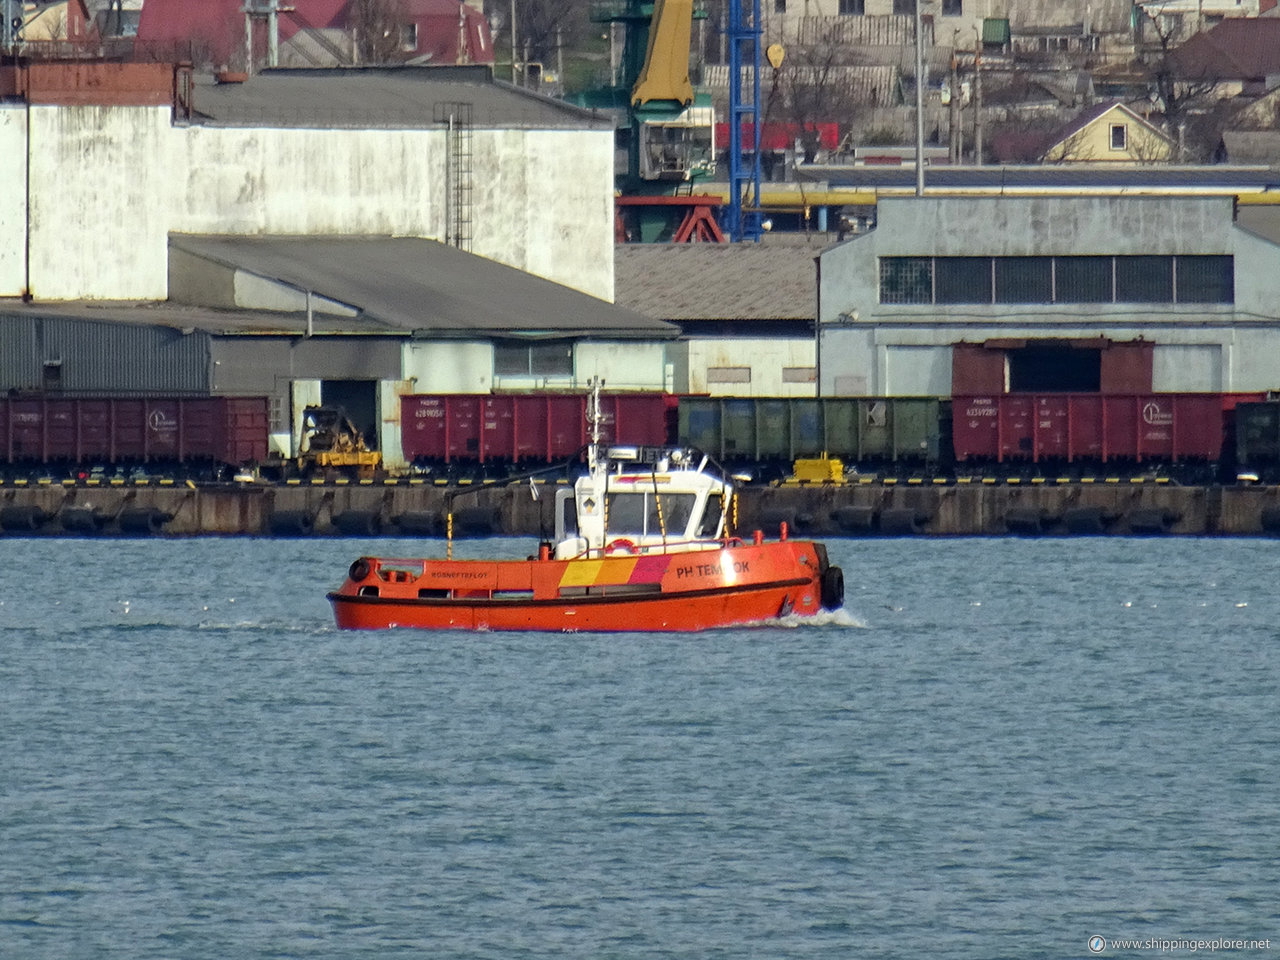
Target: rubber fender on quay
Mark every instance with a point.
(1152, 520)
(1028, 521)
(421, 523)
(81, 520)
(358, 523)
(475, 522)
(855, 519)
(290, 523)
(143, 520)
(1085, 521)
(22, 519)
(1271, 520)
(901, 521)
(832, 588)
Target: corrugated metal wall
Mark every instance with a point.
(97, 356)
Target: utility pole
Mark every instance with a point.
(953, 110)
(977, 101)
(514, 46)
(919, 104)
(12, 11)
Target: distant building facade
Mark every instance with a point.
(955, 295)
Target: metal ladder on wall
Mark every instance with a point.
(459, 179)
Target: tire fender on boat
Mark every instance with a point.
(621, 545)
(832, 588)
(360, 569)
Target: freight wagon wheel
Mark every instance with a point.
(832, 588)
(621, 545)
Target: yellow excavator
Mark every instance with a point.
(332, 442)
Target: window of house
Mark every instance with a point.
(952, 8)
(852, 8)
(1119, 136)
(408, 36)
(906, 280)
(533, 360)
(904, 8)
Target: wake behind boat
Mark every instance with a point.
(642, 542)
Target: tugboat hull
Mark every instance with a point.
(693, 590)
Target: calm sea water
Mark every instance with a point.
(1005, 747)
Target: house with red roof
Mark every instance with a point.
(1239, 56)
(309, 33)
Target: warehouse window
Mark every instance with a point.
(798, 375)
(852, 8)
(976, 280)
(906, 280)
(728, 374)
(1083, 280)
(963, 279)
(952, 8)
(1055, 367)
(408, 36)
(904, 8)
(1205, 279)
(533, 360)
(1144, 279)
(1024, 280)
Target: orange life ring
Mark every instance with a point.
(622, 543)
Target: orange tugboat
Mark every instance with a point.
(641, 543)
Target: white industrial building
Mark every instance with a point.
(104, 161)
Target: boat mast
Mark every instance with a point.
(593, 422)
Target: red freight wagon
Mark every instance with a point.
(100, 430)
(478, 428)
(1168, 427)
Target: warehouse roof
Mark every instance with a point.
(1102, 177)
(776, 279)
(402, 284)
(394, 96)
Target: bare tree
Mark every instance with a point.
(817, 83)
(375, 30)
(1180, 87)
(542, 24)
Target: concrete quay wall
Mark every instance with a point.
(809, 510)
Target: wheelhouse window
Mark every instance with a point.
(648, 514)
